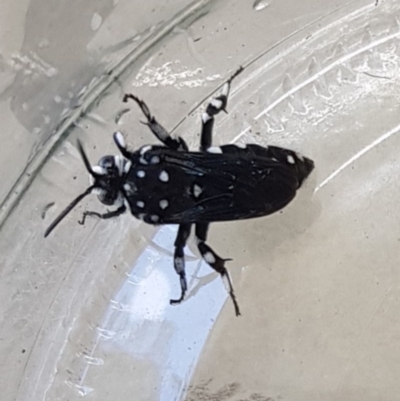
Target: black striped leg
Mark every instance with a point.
(158, 130)
(216, 105)
(179, 259)
(104, 216)
(217, 263)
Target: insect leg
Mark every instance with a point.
(158, 130)
(179, 259)
(108, 215)
(217, 263)
(216, 105)
(120, 142)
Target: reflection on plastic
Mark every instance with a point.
(140, 321)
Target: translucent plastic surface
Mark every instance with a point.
(85, 313)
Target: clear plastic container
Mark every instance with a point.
(85, 312)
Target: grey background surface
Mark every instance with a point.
(85, 313)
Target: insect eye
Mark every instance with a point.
(106, 197)
(107, 162)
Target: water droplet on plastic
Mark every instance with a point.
(345, 75)
(313, 67)
(367, 37)
(287, 84)
(96, 22)
(338, 51)
(44, 43)
(91, 360)
(394, 26)
(260, 5)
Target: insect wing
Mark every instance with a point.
(234, 185)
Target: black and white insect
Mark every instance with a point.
(168, 184)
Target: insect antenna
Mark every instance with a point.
(61, 216)
(86, 161)
(55, 223)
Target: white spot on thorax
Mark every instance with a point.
(209, 257)
(155, 160)
(163, 204)
(142, 152)
(214, 149)
(128, 187)
(197, 190)
(290, 159)
(140, 173)
(140, 204)
(164, 177)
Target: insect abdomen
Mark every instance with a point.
(228, 183)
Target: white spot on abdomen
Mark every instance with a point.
(164, 177)
(140, 173)
(197, 190)
(140, 204)
(214, 149)
(154, 218)
(290, 159)
(163, 204)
